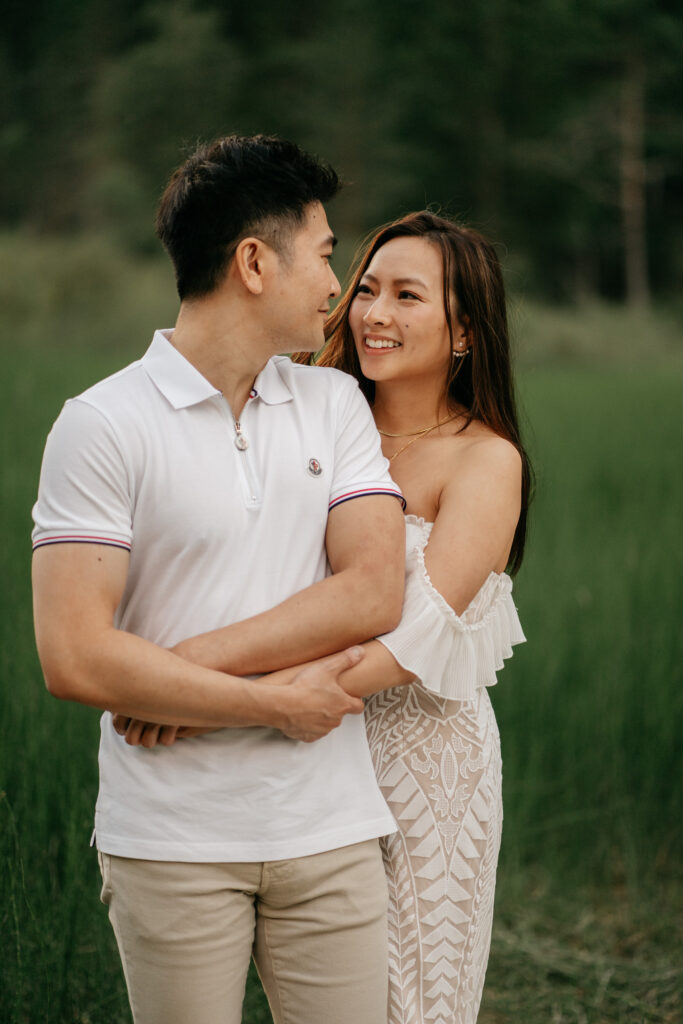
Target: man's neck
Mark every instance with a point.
(222, 343)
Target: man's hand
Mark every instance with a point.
(316, 704)
(318, 701)
(144, 734)
(150, 734)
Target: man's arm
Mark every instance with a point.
(365, 543)
(77, 589)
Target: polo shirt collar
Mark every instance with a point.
(183, 385)
(270, 386)
(179, 381)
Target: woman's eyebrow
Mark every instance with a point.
(401, 280)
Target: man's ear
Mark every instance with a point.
(253, 259)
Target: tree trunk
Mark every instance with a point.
(632, 173)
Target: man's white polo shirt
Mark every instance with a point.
(146, 460)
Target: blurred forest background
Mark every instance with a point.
(552, 125)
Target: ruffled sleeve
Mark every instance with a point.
(453, 655)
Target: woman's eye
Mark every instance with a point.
(406, 295)
(363, 289)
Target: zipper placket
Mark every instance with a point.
(250, 487)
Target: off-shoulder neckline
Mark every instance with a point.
(417, 520)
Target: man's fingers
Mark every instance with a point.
(168, 735)
(121, 723)
(145, 734)
(340, 662)
(321, 703)
(150, 735)
(134, 732)
(356, 705)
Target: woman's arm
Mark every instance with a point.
(378, 670)
(476, 522)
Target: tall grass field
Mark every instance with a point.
(588, 909)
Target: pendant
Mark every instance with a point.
(241, 442)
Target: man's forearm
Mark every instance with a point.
(77, 588)
(341, 610)
(124, 673)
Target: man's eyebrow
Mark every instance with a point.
(401, 280)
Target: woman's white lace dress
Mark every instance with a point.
(436, 751)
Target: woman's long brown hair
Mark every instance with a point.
(482, 382)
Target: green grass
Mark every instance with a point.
(583, 955)
(586, 928)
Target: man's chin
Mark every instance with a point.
(306, 345)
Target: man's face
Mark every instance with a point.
(304, 285)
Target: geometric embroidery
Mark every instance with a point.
(439, 769)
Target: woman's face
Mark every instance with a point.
(397, 316)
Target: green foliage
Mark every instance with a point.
(170, 90)
(82, 292)
(509, 115)
(595, 333)
(587, 709)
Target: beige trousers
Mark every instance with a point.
(316, 927)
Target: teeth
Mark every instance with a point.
(382, 343)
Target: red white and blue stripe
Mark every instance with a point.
(363, 492)
(81, 538)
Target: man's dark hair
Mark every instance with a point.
(232, 188)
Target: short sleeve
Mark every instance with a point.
(451, 655)
(360, 468)
(84, 493)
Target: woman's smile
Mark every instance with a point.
(376, 344)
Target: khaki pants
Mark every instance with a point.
(316, 927)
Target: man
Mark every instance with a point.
(206, 484)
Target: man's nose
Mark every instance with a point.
(335, 287)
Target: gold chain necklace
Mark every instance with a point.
(416, 435)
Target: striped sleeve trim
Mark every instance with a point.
(80, 538)
(363, 492)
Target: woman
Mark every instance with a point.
(423, 329)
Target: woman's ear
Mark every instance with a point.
(461, 332)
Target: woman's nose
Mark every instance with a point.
(377, 313)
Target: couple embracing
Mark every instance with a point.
(299, 760)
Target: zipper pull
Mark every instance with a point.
(241, 442)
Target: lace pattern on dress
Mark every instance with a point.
(438, 765)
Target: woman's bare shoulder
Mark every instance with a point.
(480, 445)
